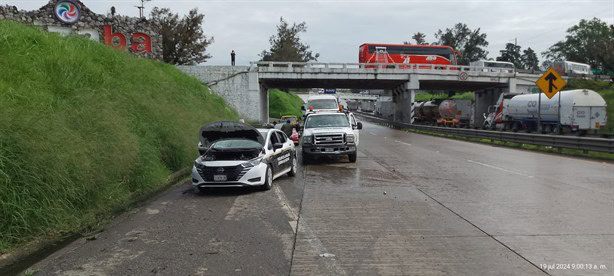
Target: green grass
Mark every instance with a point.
(284, 103)
(606, 90)
(429, 97)
(85, 130)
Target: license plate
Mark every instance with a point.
(219, 178)
(328, 149)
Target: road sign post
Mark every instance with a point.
(539, 112)
(550, 83)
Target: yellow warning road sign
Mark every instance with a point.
(550, 83)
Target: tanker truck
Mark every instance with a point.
(581, 110)
(454, 113)
(427, 112)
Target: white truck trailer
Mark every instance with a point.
(581, 110)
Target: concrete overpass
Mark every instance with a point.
(245, 87)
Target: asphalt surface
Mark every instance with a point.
(411, 205)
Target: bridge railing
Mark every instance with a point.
(401, 67)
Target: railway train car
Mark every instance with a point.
(581, 110)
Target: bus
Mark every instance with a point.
(407, 54)
(493, 66)
(571, 68)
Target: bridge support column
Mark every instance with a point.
(403, 99)
(264, 103)
(412, 100)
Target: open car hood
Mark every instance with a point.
(210, 133)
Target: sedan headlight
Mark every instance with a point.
(307, 139)
(349, 138)
(252, 163)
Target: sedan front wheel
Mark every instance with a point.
(268, 179)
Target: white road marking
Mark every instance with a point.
(372, 133)
(499, 168)
(240, 204)
(401, 142)
(291, 213)
(312, 239)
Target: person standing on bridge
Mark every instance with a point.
(232, 58)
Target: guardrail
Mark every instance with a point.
(376, 66)
(557, 141)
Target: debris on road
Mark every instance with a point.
(327, 255)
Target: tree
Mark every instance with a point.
(511, 54)
(287, 46)
(590, 41)
(471, 44)
(183, 40)
(529, 59)
(419, 37)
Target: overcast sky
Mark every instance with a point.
(335, 28)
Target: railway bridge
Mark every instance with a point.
(245, 87)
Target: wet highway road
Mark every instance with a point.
(411, 205)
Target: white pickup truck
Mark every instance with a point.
(330, 134)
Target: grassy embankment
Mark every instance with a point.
(284, 103)
(86, 130)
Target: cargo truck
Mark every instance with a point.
(581, 110)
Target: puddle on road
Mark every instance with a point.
(365, 173)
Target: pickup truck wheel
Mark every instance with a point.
(352, 157)
(293, 169)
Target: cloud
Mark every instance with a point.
(336, 27)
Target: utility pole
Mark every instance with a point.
(142, 7)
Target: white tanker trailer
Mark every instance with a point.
(581, 110)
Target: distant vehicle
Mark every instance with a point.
(367, 106)
(427, 113)
(407, 54)
(353, 105)
(455, 113)
(493, 66)
(331, 134)
(581, 110)
(384, 106)
(293, 119)
(239, 155)
(572, 68)
(321, 103)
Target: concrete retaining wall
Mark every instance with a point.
(238, 85)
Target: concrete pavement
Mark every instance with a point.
(411, 205)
